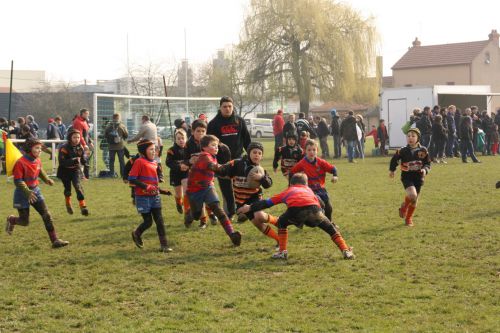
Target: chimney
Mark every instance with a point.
(494, 37)
(416, 42)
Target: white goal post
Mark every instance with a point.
(161, 110)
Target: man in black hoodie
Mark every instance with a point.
(231, 130)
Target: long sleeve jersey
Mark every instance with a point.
(143, 173)
(294, 196)
(315, 171)
(201, 174)
(289, 156)
(26, 172)
(175, 157)
(238, 170)
(413, 160)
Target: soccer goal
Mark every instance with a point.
(161, 110)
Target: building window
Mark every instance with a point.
(409, 85)
(450, 83)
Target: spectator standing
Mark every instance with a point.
(349, 135)
(116, 134)
(382, 136)
(231, 130)
(62, 128)
(465, 132)
(323, 133)
(278, 125)
(335, 130)
(289, 128)
(452, 130)
(303, 125)
(30, 121)
(424, 125)
(147, 131)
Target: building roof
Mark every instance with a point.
(440, 55)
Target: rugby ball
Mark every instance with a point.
(256, 170)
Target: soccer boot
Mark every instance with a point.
(203, 225)
(9, 224)
(165, 249)
(409, 222)
(137, 240)
(402, 211)
(84, 211)
(179, 208)
(59, 243)
(213, 219)
(188, 219)
(69, 209)
(235, 238)
(348, 254)
(280, 255)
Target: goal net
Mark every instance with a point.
(161, 110)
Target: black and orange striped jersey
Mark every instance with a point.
(289, 156)
(413, 160)
(238, 170)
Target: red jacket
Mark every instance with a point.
(278, 124)
(81, 125)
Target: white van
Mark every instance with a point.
(260, 127)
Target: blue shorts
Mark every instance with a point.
(145, 203)
(197, 199)
(323, 195)
(20, 200)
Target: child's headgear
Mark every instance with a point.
(416, 131)
(30, 143)
(291, 135)
(143, 145)
(255, 145)
(70, 133)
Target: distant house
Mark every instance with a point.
(468, 63)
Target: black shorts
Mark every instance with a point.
(310, 216)
(249, 215)
(177, 177)
(412, 180)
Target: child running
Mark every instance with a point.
(245, 192)
(70, 157)
(201, 186)
(26, 172)
(315, 169)
(176, 161)
(303, 207)
(289, 154)
(144, 176)
(415, 165)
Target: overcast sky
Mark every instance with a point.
(76, 40)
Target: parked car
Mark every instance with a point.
(260, 127)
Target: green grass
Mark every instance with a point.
(440, 276)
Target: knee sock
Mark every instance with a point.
(269, 232)
(272, 219)
(209, 211)
(52, 235)
(81, 203)
(228, 227)
(410, 211)
(186, 204)
(68, 200)
(405, 204)
(339, 241)
(283, 239)
(178, 200)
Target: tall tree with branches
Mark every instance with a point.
(308, 48)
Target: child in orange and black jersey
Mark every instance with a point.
(244, 191)
(144, 175)
(177, 162)
(71, 159)
(289, 154)
(415, 165)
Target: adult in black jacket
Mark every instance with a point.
(465, 133)
(424, 124)
(323, 133)
(303, 125)
(231, 130)
(349, 134)
(335, 129)
(289, 128)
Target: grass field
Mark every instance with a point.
(440, 276)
